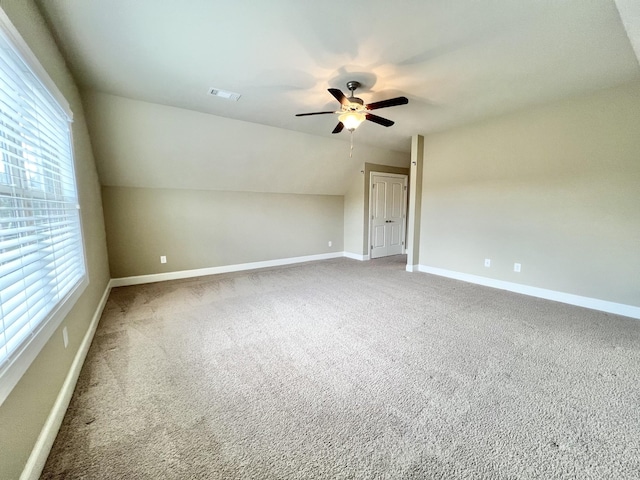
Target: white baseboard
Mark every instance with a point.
(571, 299)
(42, 447)
(412, 268)
(200, 272)
(356, 256)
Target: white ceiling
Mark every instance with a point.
(456, 60)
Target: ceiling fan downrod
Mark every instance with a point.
(353, 86)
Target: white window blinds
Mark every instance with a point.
(41, 250)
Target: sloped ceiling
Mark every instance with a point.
(456, 60)
(630, 15)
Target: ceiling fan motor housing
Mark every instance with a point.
(353, 85)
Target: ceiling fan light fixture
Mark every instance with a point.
(352, 120)
(353, 111)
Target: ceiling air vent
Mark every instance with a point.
(216, 92)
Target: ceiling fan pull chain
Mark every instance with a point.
(351, 150)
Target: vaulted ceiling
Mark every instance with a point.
(456, 60)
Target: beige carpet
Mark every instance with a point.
(351, 370)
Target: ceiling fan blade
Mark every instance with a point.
(338, 128)
(312, 113)
(392, 102)
(379, 120)
(339, 96)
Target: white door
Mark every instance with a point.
(388, 194)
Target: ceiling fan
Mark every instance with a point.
(353, 111)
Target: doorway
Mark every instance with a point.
(387, 214)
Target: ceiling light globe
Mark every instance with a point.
(351, 120)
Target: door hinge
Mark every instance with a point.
(371, 247)
(405, 188)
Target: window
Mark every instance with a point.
(42, 266)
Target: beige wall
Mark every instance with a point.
(24, 412)
(161, 152)
(140, 144)
(414, 211)
(556, 188)
(200, 228)
(353, 219)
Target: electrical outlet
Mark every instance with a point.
(163, 259)
(487, 262)
(65, 337)
(517, 267)
(330, 243)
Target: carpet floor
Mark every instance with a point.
(342, 369)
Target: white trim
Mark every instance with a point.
(386, 174)
(23, 357)
(199, 272)
(42, 447)
(356, 256)
(32, 62)
(571, 299)
(413, 268)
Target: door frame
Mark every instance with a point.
(404, 209)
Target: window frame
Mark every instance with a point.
(22, 358)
